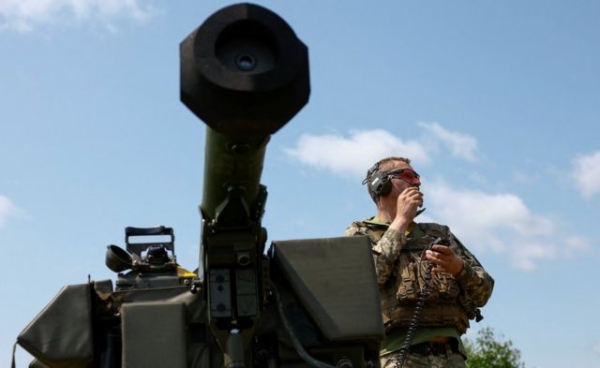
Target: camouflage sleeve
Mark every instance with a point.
(473, 279)
(385, 250)
(386, 253)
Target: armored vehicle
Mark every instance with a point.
(296, 303)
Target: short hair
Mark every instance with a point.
(381, 166)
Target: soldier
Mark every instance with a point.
(430, 285)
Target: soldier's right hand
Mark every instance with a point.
(408, 203)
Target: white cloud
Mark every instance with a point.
(354, 155)
(500, 223)
(503, 224)
(586, 173)
(459, 145)
(596, 347)
(27, 15)
(6, 209)
(575, 243)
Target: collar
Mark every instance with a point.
(376, 221)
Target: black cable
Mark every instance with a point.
(414, 321)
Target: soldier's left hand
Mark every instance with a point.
(445, 260)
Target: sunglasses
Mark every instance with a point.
(408, 175)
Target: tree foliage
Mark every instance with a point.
(487, 352)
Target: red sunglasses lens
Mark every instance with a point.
(409, 175)
(406, 175)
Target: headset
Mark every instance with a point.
(378, 183)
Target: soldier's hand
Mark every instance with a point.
(445, 260)
(408, 202)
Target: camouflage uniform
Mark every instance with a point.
(450, 304)
(425, 361)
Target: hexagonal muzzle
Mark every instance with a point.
(244, 71)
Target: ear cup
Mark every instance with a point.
(379, 185)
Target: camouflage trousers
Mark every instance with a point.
(453, 360)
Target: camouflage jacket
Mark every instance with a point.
(400, 266)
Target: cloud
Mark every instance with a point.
(352, 155)
(6, 209)
(586, 173)
(27, 15)
(500, 223)
(486, 222)
(596, 347)
(459, 145)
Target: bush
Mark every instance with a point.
(487, 352)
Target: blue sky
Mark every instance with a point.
(497, 104)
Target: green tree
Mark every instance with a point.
(487, 352)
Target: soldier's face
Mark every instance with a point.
(403, 176)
